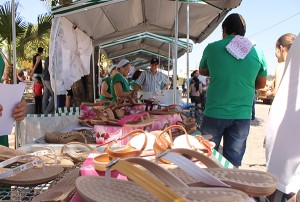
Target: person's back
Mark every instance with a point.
(236, 67)
(39, 69)
(232, 84)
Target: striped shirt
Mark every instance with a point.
(150, 82)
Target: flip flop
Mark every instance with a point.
(127, 151)
(7, 153)
(63, 190)
(28, 174)
(254, 183)
(144, 187)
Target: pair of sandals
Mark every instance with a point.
(190, 183)
(106, 116)
(143, 144)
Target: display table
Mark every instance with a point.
(116, 132)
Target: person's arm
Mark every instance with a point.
(19, 111)
(104, 88)
(137, 87)
(38, 59)
(260, 82)
(119, 90)
(139, 82)
(1, 109)
(165, 80)
(200, 88)
(34, 90)
(166, 86)
(203, 72)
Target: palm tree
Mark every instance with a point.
(6, 33)
(6, 27)
(35, 36)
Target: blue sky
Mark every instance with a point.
(259, 15)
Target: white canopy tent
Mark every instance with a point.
(103, 21)
(140, 48)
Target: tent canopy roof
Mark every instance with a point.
(144, 44)
(105, 21)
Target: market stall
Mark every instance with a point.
(79, 26)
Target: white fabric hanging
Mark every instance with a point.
(283, 126)
(70, 52)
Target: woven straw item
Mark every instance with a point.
(78, 154)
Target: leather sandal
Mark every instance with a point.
(127, 151)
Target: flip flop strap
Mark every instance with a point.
(162, 174)
(191, 168)
(132, 117)
(150, 184)
(22, 167)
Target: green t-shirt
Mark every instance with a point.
(125, 85)
(108, 81)
(232, 81)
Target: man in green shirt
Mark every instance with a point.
(236, 68)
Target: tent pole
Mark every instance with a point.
(175, 54)
(17, 124)
(169, 60)
(187, 52)
(94, 82)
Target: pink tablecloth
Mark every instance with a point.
(115, 132)
(87, 169)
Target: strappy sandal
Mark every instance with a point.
(127, 151)
(134, 120)
(189, 123)
(78, 154)
(164, 141)
(84, 136)
(144, 187)
(171, 109)
(254, 183)
(28, 174)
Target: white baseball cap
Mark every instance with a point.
(123, 63)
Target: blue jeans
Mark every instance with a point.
(234, 133)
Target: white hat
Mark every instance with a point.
(123, 63)
(112, 67)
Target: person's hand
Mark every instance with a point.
(1, 108)
(19, 112)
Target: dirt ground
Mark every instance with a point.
(254, 157)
